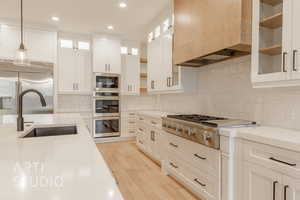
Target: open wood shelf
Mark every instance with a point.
(272, 51)
(272, 22)
(143, 89)
(143, 75)
(272, 2)
(143, 60)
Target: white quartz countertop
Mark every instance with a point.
(53, 168)
(279, 137)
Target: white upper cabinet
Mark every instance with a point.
(74, 67)
(154, 63)
(130, 71)
(275, 43)
(41, 45)
(163, 75)
(106, 55)
(9, 41)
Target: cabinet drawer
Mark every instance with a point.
(281, 160)
(197, 155)
(203, 184)
(141, 142)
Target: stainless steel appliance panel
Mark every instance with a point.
(106, 107)
(15, 80)
(106, 127)
(105, 82)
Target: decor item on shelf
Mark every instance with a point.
(21, 54)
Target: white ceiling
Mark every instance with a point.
(87, 16)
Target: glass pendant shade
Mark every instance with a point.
(21, 57)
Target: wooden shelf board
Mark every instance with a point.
(272, 51)
(143, 60)
(143, 75)
(143, 89)
(272, 22)
(272, 2)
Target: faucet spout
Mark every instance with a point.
(20, 119)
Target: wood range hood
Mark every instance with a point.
(210, 31)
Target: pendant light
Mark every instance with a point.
(21, 53)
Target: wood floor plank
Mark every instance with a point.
(139, 178)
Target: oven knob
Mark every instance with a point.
(206, 136)
(192, 132)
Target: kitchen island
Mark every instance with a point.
(53, 168)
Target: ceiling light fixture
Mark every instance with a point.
(56, 19)
(123, 5)
(110, 27)
(21, 54)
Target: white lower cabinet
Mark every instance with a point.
(225, 177)
(261, 183)
(270, 173)
(149, 137)
(194, 165)
(128, 124)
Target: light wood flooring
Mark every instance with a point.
(139, 178)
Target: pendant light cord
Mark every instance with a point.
(22, 23)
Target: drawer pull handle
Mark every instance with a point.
(131, 122)
(274, 189)
(173, 145)
(173, 165)
(141, 118)
(280, 161)
(197, 156)
(141, 129)
(141, 142)
(285, 192)
(197, 181)
(154, 123)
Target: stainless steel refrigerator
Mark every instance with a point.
(15, 79)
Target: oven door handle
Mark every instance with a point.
(106, 98)
(106, 118)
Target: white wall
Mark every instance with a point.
(225, 90)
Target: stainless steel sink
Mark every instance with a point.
(52, 131)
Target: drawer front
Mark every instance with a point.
(197, 155)
(140, 141)
(281, 160)
(153, 122)
(131, 115)
(204, 158)
(204, 185)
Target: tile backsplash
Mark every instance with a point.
(225, 89)
(74, 103)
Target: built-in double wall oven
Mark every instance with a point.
(106, 106)
(107, 82)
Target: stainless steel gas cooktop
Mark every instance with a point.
(202, 129)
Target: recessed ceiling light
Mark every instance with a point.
(56, 19)
(110, 27)
(123, 5)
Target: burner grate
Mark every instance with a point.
(195, 118)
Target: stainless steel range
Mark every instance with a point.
(200, 128)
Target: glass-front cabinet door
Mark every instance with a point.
(270, 48)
